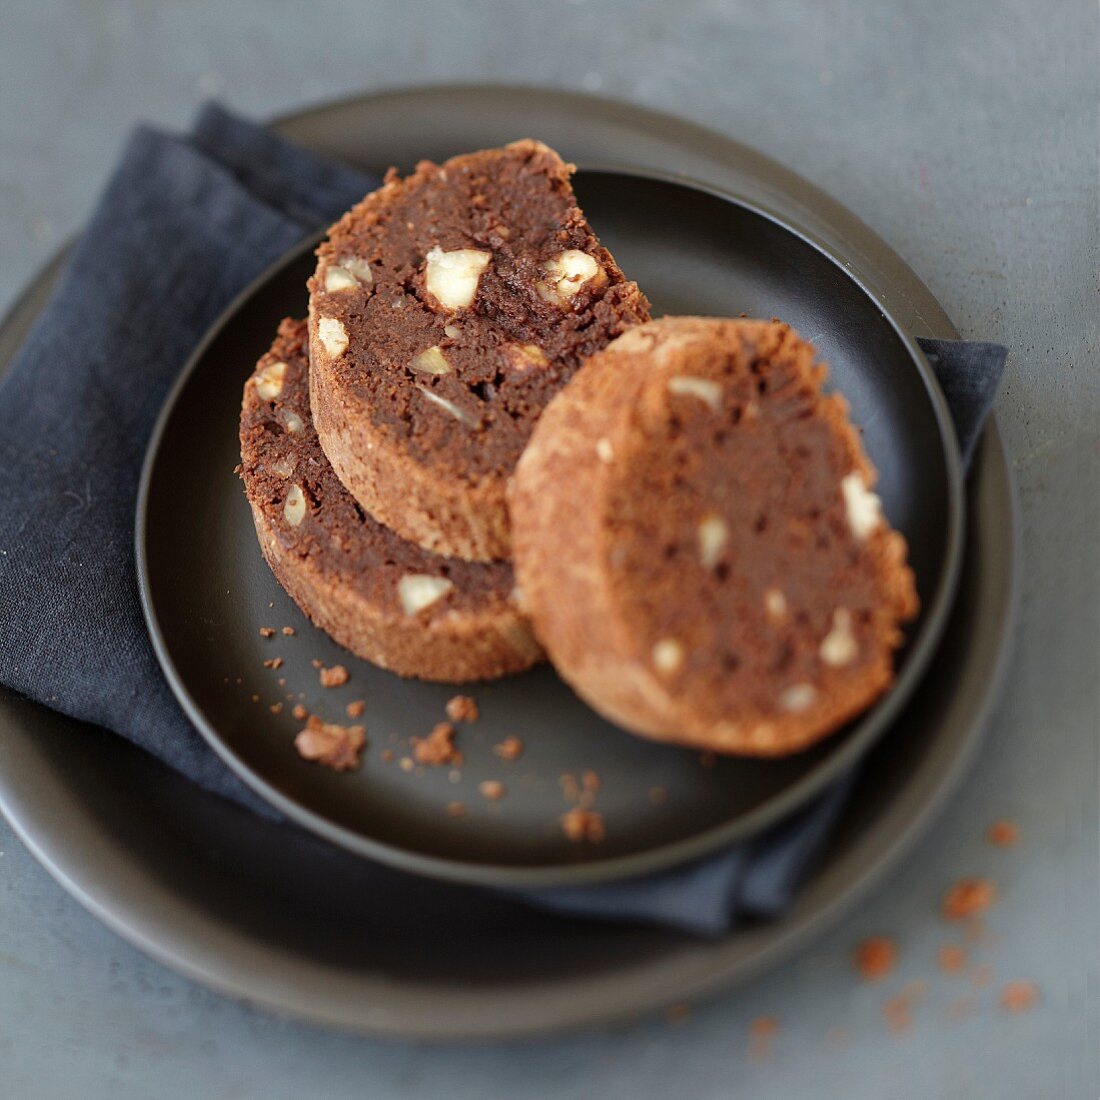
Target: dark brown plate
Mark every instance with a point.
(207, 591)
(273, 916)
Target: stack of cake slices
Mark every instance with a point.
(698, 547)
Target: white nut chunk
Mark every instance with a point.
(605, 449)
(333, 336)
(566, 273)
(294, 510)
(708, 391)
(451, 277)
(864, 507)
(292, 421)
(775, 604)
(839, 647)
(459, 413)
(668, 655)
(338, 279)
(417, 591)
(269, 381)
(431, 361)
(798, 697)
(713, 535)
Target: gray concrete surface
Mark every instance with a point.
(965, 132)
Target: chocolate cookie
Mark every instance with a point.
(383, 598)
(446, 310)
(726, 579)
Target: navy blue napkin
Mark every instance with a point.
(183, 225)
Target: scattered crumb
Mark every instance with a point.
(356, 709)
(289, 631)
(981, 975)
(492, 790)
(276, 708)
(387, 755)
(456, 809)
(899, 1014)
(875, 958)
(969, 897)
(951, 958)
(438, 747)
(581, 824)
(300, 712)
(316, 663)
(511, 748)
(282, 681)
(463, 708)
(336, 747)
(1003, 833)
(271, 604)
(255, 698)
(960, 1008)
(266, 632)
(334, 677)
(678, 1014)
(707, 759)
(762, 1031)
(570, 790)
(406, 764)
(658, 795)
(274, 662)
(1017, 997)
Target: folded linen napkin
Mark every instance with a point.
(184, 224)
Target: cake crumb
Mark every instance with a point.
(274, 662)
(438, 747)
(356, 709)
(334, 677)
(336, 747)
(276, 708)
(762, 1032)
(875, 958)
(678, 1014)
(492, 790)
(456, 809)
(282, 681)
(406, 763)
(1003, 834)
(951, 958)
(463, 708)
(316, 663)
(511, 748)
(289, 631)
(581, 824)
(255, 698)
(1018, 997)
(300, 712)
(267, 632)
(969, 897)
(658, 795)
(570, 789)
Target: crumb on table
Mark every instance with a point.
(289, 631)
(438, 747)
(875, 958)
(581, 824)
(356, 708)
(300, 712)
(492, 790)
(969, 897)
(273, 662)
(267, 632)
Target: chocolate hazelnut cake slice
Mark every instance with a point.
(383, 598)
(726, 579)
(446, 310)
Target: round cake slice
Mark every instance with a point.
(446, 310)
(385, 599)
(726, 579)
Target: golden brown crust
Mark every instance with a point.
(576, 572)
